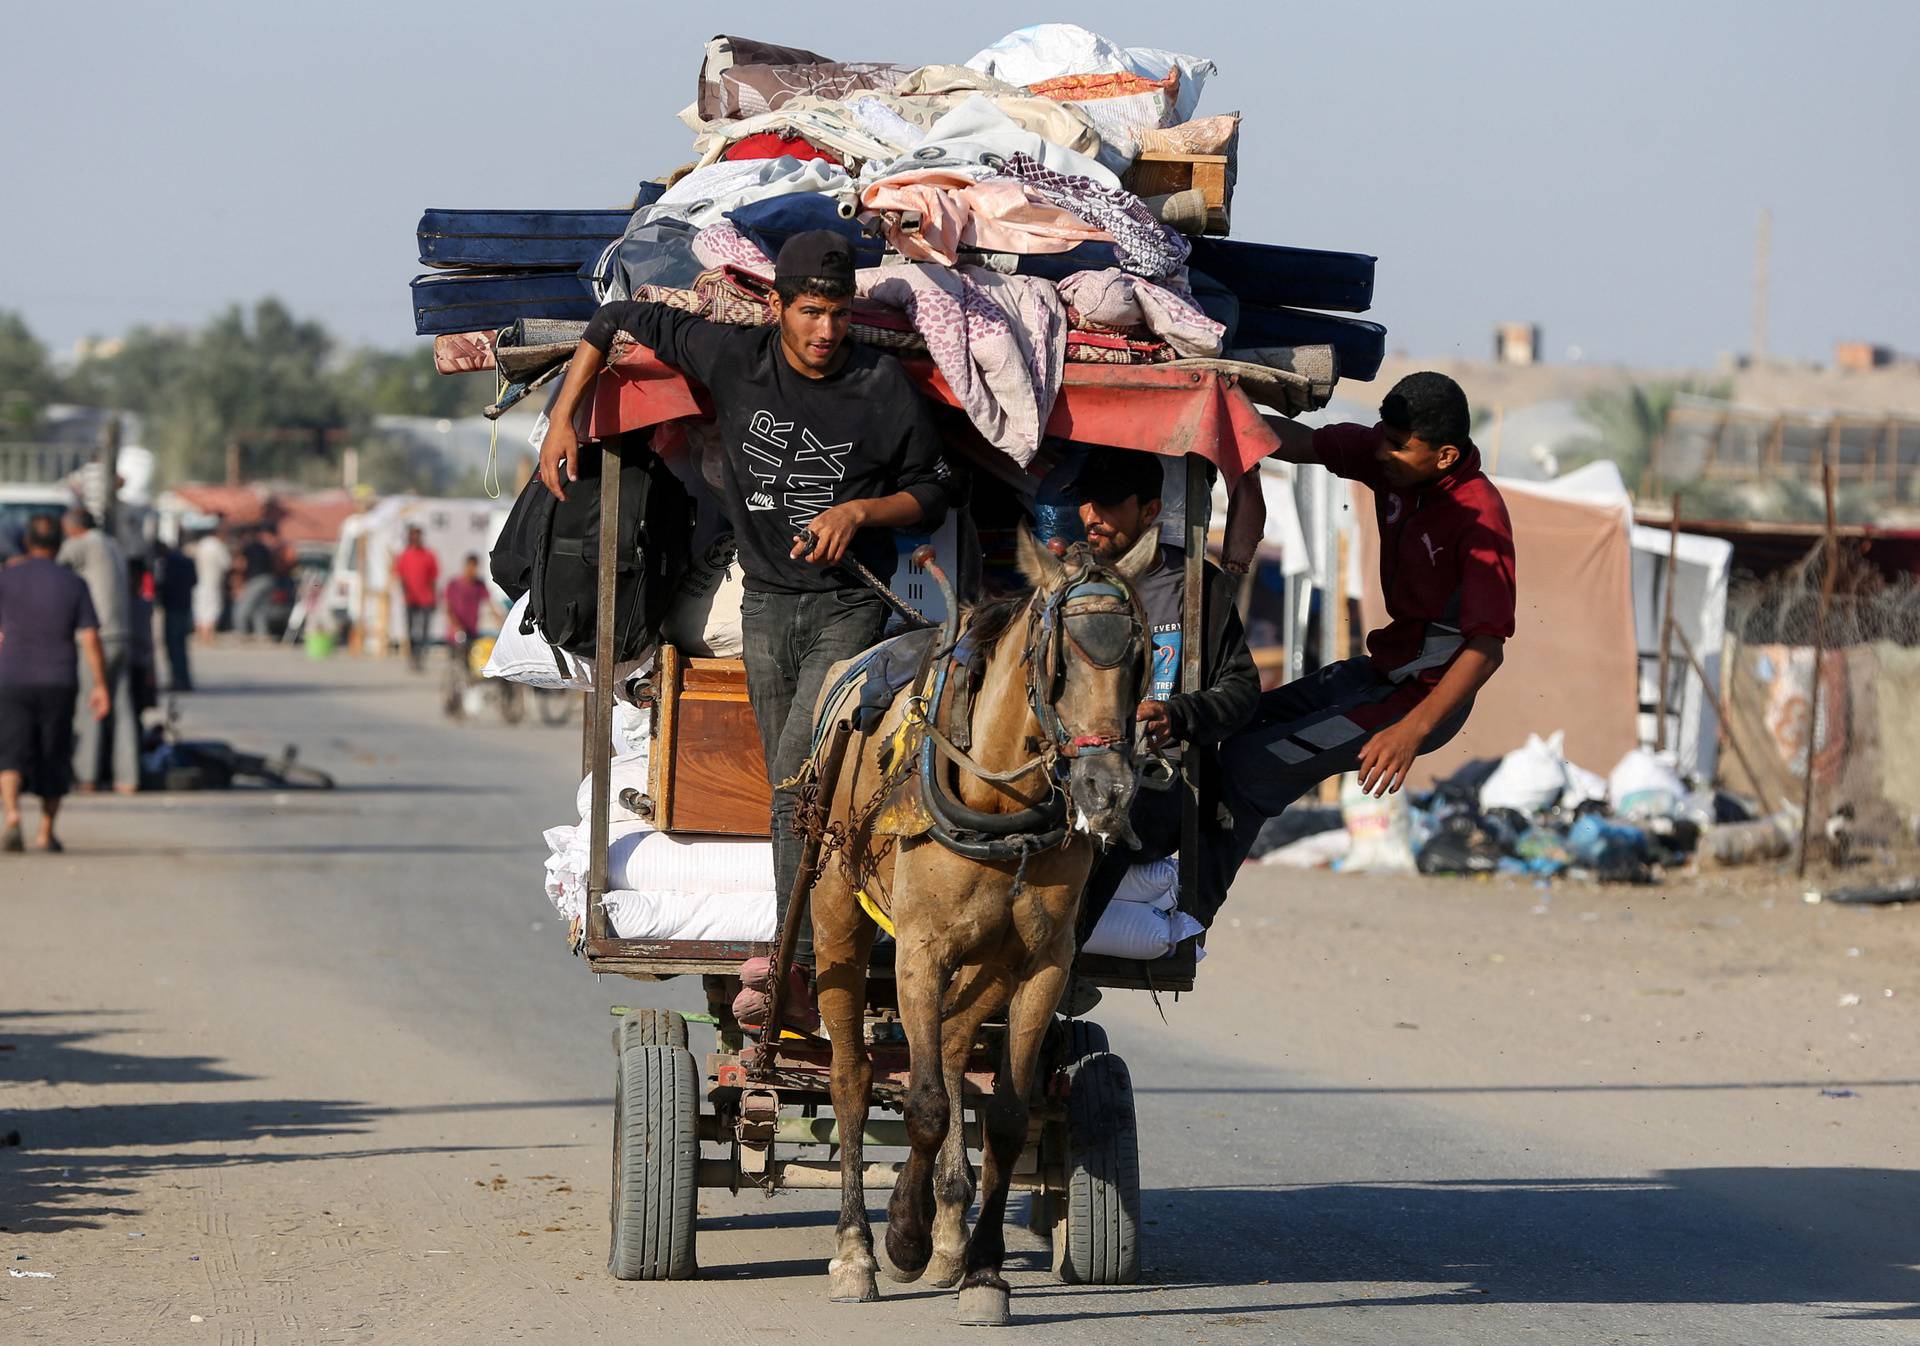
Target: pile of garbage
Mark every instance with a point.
(1531, 814)
(1055, 201)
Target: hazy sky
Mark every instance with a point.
(1595, 168)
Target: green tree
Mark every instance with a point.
(405, 383)
(1628, 422)
(27, 379)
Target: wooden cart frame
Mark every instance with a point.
(681, 1125)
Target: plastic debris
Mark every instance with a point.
(18, 1274)
(1838, 1093)
(1906, 888)
(1849, 1000)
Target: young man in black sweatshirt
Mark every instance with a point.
(828, 447)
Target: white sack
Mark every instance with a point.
(1157, 884)
(629, 773)
(528, 659)
(1529, 778)
(632, 730)
(1045, 51)
(1379, 828)
(705, 616)
(1312, 852)
(643, 860)
(1583, 786)
(1139, 930)
(672, 915)
(1645, 785)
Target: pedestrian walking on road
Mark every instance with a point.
(211, 561)
(467, 602)
(417, 571)
(110, 744)
(257, 567)
(175, 585)
(46, 621)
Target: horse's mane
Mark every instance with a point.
(989, 622)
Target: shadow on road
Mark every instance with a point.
(1816, 1237)
(74, 1164)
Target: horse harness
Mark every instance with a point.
(1094, 615)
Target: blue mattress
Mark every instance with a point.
(480, 301)
(516, 240)
(1269, 274)
(1359, 344)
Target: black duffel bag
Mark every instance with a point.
(550, 550)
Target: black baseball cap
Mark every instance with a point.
(817, 252)
(1111, 475)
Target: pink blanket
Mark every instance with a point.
(956, 211)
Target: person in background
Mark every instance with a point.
(417, 571)
(46, 621)
(467, 600)
(257, 568)
(174, 589)
(143, 663)
(109, 744)
(211, 561)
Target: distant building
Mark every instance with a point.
(1855, 355)
(1517, 343)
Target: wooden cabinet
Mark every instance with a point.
(708, 772)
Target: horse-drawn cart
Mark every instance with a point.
(745, 1114)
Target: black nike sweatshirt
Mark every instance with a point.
(795, 445)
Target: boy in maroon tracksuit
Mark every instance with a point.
(1447, 573)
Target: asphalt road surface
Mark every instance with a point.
(318, 1068)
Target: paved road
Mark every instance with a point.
(295, 1067)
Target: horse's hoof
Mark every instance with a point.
(985, 1306)
(902, 1275)
(852, 1285)
(946, 1269)
(906, 1259)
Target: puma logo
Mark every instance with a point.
(1433, 552)
(761, 500)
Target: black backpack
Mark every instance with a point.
(550, 550)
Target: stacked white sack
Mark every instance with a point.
(663, 886)
(1142, 921)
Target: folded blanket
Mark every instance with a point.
(1117, 301)
(954, 212)
(1000, 342)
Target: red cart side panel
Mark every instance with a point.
(1154, 408)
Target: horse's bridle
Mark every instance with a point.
(1097, 615)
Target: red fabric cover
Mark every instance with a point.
(772, 145)
(1446, 552)
(1153, 408)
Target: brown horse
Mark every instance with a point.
(982, 884)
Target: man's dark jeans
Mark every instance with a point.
(790, 641)
(178, 624)
(419, 627)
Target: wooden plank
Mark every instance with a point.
(666, 702)
(598, 826)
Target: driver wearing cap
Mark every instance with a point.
(827, 448)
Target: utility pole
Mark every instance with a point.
(1762, 283)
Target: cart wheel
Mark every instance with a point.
(656, 1150)
(650, 1028)
(1096, 1240)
